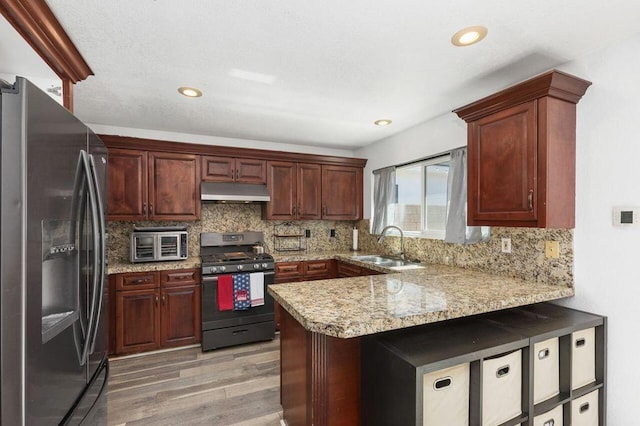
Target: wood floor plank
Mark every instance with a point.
(237, 386)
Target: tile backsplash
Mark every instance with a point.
(526, 260)
(240, 217)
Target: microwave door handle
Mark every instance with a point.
(101, 270)
(96, 255)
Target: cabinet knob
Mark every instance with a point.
(156, 301)
(144, 208)
(164, 300)
(151, 208)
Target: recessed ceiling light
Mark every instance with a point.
(384, 122)
(469, 35)
(190, 92)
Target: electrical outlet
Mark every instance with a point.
(307, 233)
(333, 233)
(506, 245)
(552, 249)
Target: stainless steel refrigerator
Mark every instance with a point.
(53, 169)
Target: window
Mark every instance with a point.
(420, 207)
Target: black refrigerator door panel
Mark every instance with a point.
(55, 376)
(98, 159)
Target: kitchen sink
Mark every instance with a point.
(387, 262)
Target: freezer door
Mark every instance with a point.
(98, 340)
(41, 174)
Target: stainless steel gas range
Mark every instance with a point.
(230, 258)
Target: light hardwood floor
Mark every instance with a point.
(232, 386)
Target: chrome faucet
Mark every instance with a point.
(382, 235)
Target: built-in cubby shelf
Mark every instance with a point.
(394, 364)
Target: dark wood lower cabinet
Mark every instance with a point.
(180, 321)
(320, 376)
(137, 321)
(153, 310)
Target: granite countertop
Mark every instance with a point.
(122, 267)
(352, 307)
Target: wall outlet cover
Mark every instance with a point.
(506, 245)
(552, 249)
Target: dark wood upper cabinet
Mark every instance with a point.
(228, 169)
(341, 192)
(502, 178)
(127, 198)
(309, 191)
(521, 153)
(305, 191)
(281, 182)
(153, 185)
(174, 186)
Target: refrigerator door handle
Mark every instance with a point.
(102, 258)
(96, 256)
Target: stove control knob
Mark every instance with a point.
(264, 265)
(223, 268)
(239, 267)
(256, 266)
(213, 270)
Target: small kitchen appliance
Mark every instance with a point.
(224, 254)
(159, 244)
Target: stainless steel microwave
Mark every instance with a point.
(159, 244)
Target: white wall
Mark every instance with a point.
(606, 265)
(441, 134)
(216, 140)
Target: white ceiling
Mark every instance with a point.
(336, 65)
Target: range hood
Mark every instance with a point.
(234, 192)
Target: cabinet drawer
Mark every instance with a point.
(180, 277)
(546, 370)
(584, 410)
(285, 270)
(445, 396)
(501, 388)
(583, 358)
(316, 269)
(137, 281)
(231, 336)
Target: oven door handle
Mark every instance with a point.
(214, 278)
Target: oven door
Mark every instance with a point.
(213, 318)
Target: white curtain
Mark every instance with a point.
(384, 190)
(457, 230)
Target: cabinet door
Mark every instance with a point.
(174, 186)
(180, 315)
(137, 321)
(309, 196)
(502, 158)
(218, 169)
(281, 182)
(341, 192)
(251, 171)
(127, 197)
(348, 270)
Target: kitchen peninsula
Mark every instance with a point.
(323, 323)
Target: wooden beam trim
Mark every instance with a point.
(126, 142)
(37, 24)
(554, 83)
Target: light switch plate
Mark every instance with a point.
(552, 249)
